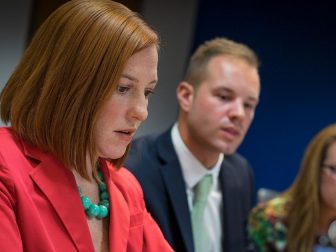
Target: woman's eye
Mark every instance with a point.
(148, 93)
(122, 89)
(332, 168)
(224, 97)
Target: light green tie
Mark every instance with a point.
(201, 192)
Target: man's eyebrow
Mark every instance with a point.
(252, 98)
(225, 89)
(229, 90)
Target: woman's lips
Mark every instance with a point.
(126, 135)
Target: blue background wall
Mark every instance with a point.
(297, 48)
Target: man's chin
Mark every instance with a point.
(229, 149)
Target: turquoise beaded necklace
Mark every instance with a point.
(101, 209)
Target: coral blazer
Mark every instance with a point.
(40, 207)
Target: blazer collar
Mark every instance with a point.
(173, 179)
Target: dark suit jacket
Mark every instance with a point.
(153, 160)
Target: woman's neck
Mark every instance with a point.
(326, 217)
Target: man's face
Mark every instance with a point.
(222, 108)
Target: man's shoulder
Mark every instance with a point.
(149, 145)
(237, 160)
(145, 141)
(142, 147)
(146, 151)
(237, 166)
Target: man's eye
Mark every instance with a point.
(249, 106)
(122, 89)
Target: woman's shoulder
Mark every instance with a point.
(11, 149)
(8, 138)
(268, 224)
(274, 208)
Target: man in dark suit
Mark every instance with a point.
(217, 100)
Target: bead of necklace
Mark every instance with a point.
(101, 209)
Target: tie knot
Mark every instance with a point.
(202, 189)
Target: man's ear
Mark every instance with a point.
(185, 95)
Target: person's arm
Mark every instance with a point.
(10, 239)
(153, 237)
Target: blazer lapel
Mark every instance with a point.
(58, 183)
(173, 179)
(119, 212)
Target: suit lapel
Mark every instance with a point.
(58, 184)
(174, 182)
(230, 202)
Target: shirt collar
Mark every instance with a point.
(192, 168)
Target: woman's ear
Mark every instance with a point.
(185, 95)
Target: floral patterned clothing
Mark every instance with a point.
(268, 225)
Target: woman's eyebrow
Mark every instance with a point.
(127, 76)
(131, 78)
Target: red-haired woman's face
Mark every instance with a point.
(126, 109)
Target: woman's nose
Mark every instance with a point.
(139, 110)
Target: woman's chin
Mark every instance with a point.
(115, 154)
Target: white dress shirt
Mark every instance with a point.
(193, 171)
